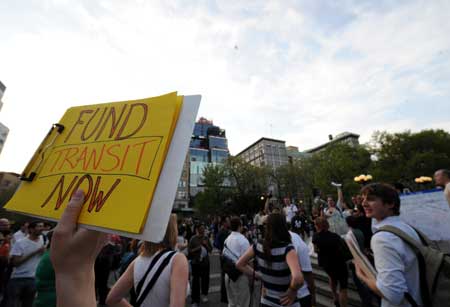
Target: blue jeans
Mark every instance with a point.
(20, 292)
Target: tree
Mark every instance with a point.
(339, 163)
(212, 199)
(248, 183)
(401, 157)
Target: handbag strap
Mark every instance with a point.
(150, 267)
(225, 246)
(142, 295)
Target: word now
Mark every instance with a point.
(94, 195)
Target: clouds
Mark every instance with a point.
(286, 69)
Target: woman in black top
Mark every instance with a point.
(277, 263)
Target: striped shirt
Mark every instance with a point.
(276, 275)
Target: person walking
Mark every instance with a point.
(159, 274)
(277, 262)
(219, 241)
(329, 248)
(235, 246)
(199, 249)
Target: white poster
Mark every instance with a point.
(427, 211)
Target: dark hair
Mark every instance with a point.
(387, 193)
(445, 172)
(235, 223)
(33, 224)
(276, 233)
(352, 221)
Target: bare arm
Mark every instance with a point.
(73, 252)
(309, 278)
(116, 297)
(296, 279)
(266, 206)
(178, 281)
(207, 244)
(340, 197)
(243, 263)
(296, 271)
(18, 260)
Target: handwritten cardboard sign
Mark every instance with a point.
(115, 152)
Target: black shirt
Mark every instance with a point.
(330, 252)
(297, 223)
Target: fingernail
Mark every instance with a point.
(79, 194)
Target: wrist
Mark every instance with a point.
(68, 283)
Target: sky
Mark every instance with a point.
(291, 70)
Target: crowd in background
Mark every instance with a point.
(270, 252)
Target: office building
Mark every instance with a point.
(265, 152)
(209, 146)
(294, 154)
(349, 138)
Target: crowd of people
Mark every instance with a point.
(267, 255)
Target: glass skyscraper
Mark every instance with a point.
(209, 145)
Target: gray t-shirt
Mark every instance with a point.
(25, 247)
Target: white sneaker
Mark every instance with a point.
(204, 299)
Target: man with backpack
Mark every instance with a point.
(398, 278)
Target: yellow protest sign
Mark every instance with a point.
(113, 151)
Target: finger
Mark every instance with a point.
(69, 218)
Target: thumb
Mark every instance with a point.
(69, 218)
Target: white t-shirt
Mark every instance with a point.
(303, 258)
(236, 246)
(25, 247)
(290, 212)
(18, 235)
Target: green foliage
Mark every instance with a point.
(211, 200)
(339, 163)
(401, 157)
(236, 186)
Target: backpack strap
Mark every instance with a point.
(142, 295)
(150, 267)
(416, 248)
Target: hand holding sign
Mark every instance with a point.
(73, 252)
(116, 153)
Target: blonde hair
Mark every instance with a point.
(148, 249)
